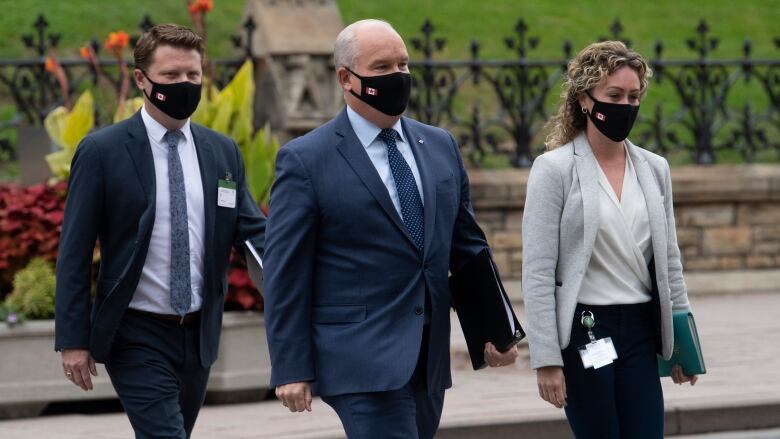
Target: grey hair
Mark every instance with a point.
(345, 49)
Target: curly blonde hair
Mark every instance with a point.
(588, 69)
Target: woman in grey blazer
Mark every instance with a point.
(600, 254)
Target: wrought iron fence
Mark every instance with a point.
(497, 108)
(35, 91)
(701, 121)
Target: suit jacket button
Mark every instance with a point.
(418, 310)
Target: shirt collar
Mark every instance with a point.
(366, 131)
(156, 131)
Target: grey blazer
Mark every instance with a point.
(560, 222)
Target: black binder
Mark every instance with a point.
(483, 308)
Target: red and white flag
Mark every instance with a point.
(601, 117)
(372, 91)
(160, 97)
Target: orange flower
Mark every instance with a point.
(116, 42)
(50, 65)
(200, 6)
(85, 53)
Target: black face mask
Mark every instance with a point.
(178, 100)
(388, 94)
(613, 120)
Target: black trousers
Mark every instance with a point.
(624, 399)
(156, 371)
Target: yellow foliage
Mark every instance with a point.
(66, 129)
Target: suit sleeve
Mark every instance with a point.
(289, 270)
(83, 210)
(468, 239)
(251, 221)
(541, 226)
(679, 291)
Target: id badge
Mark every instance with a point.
(226, 194)
(598, 353)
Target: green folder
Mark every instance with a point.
(687, 349)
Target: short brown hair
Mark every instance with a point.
(174, 35)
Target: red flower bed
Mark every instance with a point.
(30, 223)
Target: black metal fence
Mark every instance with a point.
(497, 108)
(700, 120)
(35, 91)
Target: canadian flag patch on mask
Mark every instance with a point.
(160, 96)
(372, 91)
(601, 117)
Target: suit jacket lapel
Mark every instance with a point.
(208, 176)
(427, 175)
(141, 153)
(655, 212)
(587, 173)
(355, 154)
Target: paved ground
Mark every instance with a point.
(740, 336)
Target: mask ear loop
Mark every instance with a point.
(585, 110)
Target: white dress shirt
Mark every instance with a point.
(153, 293)
(617, 273)
(367, 133)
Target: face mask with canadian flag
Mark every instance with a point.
(388, 94)
(178, 100)
(613, 120)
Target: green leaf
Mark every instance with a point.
(259, 159)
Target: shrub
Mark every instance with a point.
(33, 294)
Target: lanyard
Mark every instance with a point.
(588, 320)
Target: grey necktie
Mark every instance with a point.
(181, 286)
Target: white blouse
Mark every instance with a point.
(617, 273)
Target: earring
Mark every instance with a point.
(584, 110)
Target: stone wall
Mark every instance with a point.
(728, 217)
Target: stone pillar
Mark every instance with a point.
(292, 46)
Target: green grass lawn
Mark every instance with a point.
(459, 21)
(490, 21)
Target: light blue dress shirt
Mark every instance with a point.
(376, 149)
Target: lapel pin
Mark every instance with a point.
(420, 141)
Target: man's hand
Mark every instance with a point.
(295, 396)
(78, 364)
(552, 385)
(679, 377)
(494, 358)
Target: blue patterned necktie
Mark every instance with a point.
(405, 185)
(181, 287)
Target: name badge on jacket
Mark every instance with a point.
(226, 193)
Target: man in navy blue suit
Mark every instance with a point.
(167, 200)
(368, 214)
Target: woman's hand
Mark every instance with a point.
(679, 377)
(552, 386)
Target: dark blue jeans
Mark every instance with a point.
(156, 371)
(623, 399)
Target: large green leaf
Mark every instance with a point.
(243, 89)
(207, 108)
(259, 158)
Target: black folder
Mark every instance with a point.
(483, 308)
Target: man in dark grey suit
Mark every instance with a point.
(368, 214)
(166, 199)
